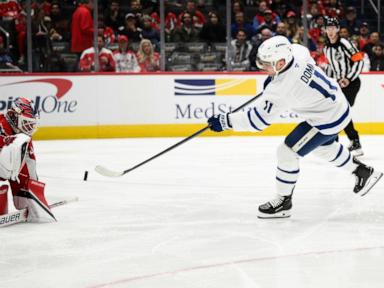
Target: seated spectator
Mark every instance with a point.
(125, 58)
(299, 39)
(239, 50)
(114, 17)
(258, 19)
(46, 7)
(351, 22)
(291, 23)
(136, 9)
(131, 30)
(107, 32)
(241, 24)
(270, 19)
(256, 41)
(265, 17)
(364, 35)
(173, 6)
(149, 60)
(237, 6)
(213, 31)
(106, 60)
(148, 32)
(334, 9)
(186, 32)
(314, 12)
(374, 39)
(170, 25)
(344, 33)
(377, 59)
(318, 55)
(317, 27)
(281, 7)
(198, 18)
(6, 61)
(9, 10)
(281, 29)
(60, 22)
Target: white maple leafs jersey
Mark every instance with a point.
(304, 89)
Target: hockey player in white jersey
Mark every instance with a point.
(297, 84)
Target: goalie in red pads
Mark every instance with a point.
(18, 162)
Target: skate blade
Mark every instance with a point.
(375, 177)
(357, 153)
(281, 214)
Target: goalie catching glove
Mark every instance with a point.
(220, 122)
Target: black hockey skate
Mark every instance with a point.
(355, 148)
(280, 207)
(366, 178)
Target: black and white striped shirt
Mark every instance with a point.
(345, 60)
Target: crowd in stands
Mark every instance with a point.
(195, 33)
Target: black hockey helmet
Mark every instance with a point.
(331, 21)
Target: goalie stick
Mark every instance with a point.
(20, 216)
(111, 173)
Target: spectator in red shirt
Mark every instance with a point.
(106, 60)
(364, 35)
(374, 39)
(149, 60)
(198, 18)
(82, 27)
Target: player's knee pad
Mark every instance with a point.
(286, 158)
(336, 154)
(328, 152)
(3, 199)
(33, 198)
(12, 157)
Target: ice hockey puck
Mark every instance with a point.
(85, 175)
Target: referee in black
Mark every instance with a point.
(345, 64)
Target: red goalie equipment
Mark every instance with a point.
(3, 199)
(22, 117)
(33, 198)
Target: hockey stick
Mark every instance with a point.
(110, 173)
(20, 216)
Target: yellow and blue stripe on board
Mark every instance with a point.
(215, 87)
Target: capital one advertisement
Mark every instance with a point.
(135, 99)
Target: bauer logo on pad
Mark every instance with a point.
(215, 87)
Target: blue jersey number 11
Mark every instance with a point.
(325, 91)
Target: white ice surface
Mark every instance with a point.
(188, 220)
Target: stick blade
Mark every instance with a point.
(107, 172)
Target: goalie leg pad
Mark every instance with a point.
(12, 157)
(3, 199)
(33, 198)
(287, 171)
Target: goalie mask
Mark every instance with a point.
(273, 50)
(22, 117)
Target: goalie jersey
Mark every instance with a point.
(304, 89)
